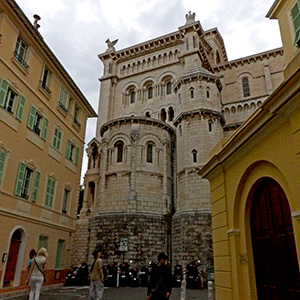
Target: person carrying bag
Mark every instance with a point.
(36, 275)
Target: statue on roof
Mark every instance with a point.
(190, 18)
(110, 45)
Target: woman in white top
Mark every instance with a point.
(36, 274)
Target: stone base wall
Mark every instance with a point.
(81, 242)
(192, 238)
(146, 236)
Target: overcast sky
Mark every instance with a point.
(76, 30)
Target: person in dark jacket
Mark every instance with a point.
(160, 283)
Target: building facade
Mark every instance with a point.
(255, 188)
(43, 117)
(164, 105)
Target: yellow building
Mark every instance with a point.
(43, 118)
(255, 188)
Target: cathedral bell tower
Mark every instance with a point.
(198, 123)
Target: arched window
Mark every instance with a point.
(194, 42)
(169, 88)
(246, 87)
(194, 153)
(150, 92)
(132, 96)
(119, 145)
(192, 93)
(171, 114)
(163, 115)
(218, 59)
(150, 153)
(207, 93)
(210, 126)
(180, 131)
(147, 114)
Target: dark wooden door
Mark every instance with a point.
(275, 258)
(12, 259)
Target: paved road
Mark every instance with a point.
(121, 293)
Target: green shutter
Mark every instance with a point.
(3, 91)
(296, 20)
(43, 242)
(49, 193)
(59, 254)
(76, 155)
(20, 179)
(45, 129)
(35, 186)
(21, 108)
(68, 149)
(2, 164)
(31, 118)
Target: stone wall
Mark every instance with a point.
(146, 234)
(192, 238)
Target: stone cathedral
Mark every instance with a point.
(164, 105)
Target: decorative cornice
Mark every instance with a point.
(136, 120)
(247, 60)
(233, 231)
(200, 112)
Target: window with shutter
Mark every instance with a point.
(50, 190)
(60, 254)
(38, 123)
(296, 21)
(2, 165)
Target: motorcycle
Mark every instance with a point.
(124, 274)
(144, 275)
(192, 280)
(78, 275)
(178, 276)
(111, 277)
(134, 277)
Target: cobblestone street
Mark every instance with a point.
(122, 293)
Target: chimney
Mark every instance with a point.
(36, 19)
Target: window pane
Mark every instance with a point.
(149, 153)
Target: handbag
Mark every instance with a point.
(40, 270)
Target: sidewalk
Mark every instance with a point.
(23, 290)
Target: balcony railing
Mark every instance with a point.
(21, 60)
(76, 122)
(45, 88)
(37, 130)
(62, 106)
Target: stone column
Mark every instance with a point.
(268, 79)
(131, 207)
(103, 168)
(165, 179)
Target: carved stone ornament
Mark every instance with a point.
(110, 45)
(190, 18)
(31, 164)
(3, 147)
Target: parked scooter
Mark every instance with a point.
(124, 274)
(144, 275)
(178, 276)
(192, 280)
(78, 275)
(134, 276)
(111, 277)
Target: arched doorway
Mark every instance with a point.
(274, 251)
(12, 259)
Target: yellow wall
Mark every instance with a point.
(22, 144)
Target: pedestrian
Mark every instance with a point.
(32, 254)
(160, 283)
(96, 277)
(36, 275)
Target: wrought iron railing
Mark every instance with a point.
(21, 60)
